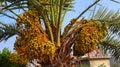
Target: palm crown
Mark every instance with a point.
(51, 14)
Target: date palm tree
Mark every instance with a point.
(51, 14)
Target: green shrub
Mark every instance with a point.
(102, 65)
(84, 65)
(4, 59)
(114, 65)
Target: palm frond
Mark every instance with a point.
(7, 31)
(87, 8)
(5, 14)
(13, 4)
(116, 1)
(112, 45)
(20, 4)
(68, 5)
(111, 17)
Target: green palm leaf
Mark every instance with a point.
(116, 1)
(112, 47)
(7, 31)
(112, 18)
(20, 4)
(111, 43)
(12, 5)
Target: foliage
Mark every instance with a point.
(39, 28)
(84, 65)
(102, 65)
(115, 65)
(4, 59)
(116, 1)
(111, 44)
(7, 31)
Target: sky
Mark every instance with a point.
(79, 6)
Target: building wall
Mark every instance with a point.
(102, 61)
(99, 62)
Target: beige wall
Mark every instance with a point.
(98, 62)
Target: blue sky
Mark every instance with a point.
(79, 6)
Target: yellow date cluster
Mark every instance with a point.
(42, 50)
(88, 37)
(29, 25)
(32, 41)
(18, 59)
